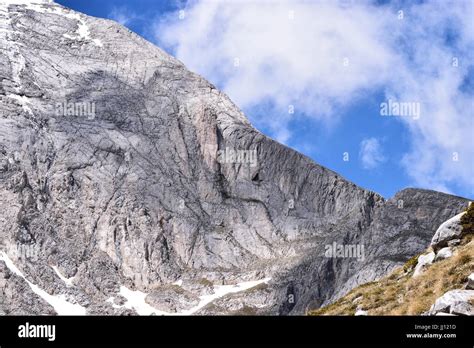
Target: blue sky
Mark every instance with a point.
(335, 64)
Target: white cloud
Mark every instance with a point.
(329, 56)
(122, 15)
(371, 153)
(281, 61)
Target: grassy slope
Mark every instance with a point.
(401, 294)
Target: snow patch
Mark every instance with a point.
(178, 282)
(136, 299)
(23, 101)
(68, 281)
(223, 290)
(111, 300)
(82, 31)
(58, 302)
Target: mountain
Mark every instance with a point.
(130, 185)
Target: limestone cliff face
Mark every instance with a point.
(121, 168)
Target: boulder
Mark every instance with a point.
(452, 301)
(423, 261)
(449, 230)
(443, 253)
(462, 308)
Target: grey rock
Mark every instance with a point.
(111, 164)
(172, 299)
(451, 299)
(470, 282)
(462, 308)
(449, 230)
(443, 253)
(454, 242)
(423, 261)
(16, 297)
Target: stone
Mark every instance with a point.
(470, 282)
(452, 298)
(454, 242)
(449, 230)
(423, 261)
(462, 308)
(443, 253)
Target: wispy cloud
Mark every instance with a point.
(321, 56)
(122, 15)
(371, 153)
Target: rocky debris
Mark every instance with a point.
(448, 231)
(250, 302)
(443, 253)
(130, 191)
(457, 302)
(470, 282)
(171, 299)
(17, 298)
(423, 262)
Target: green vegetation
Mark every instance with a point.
(467, 220)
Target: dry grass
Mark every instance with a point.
(401, 294)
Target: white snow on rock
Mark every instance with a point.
(68, 281)
(360, 312)
(111, 300)
(178, 282)
(23, 101)
(82, 32)
(58, 302)
(223, 290)
(136, 299)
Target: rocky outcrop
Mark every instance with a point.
(457, 302)
(443, 253)
(17, 298)
(448, 231)
(121, 168)
(424, 261)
